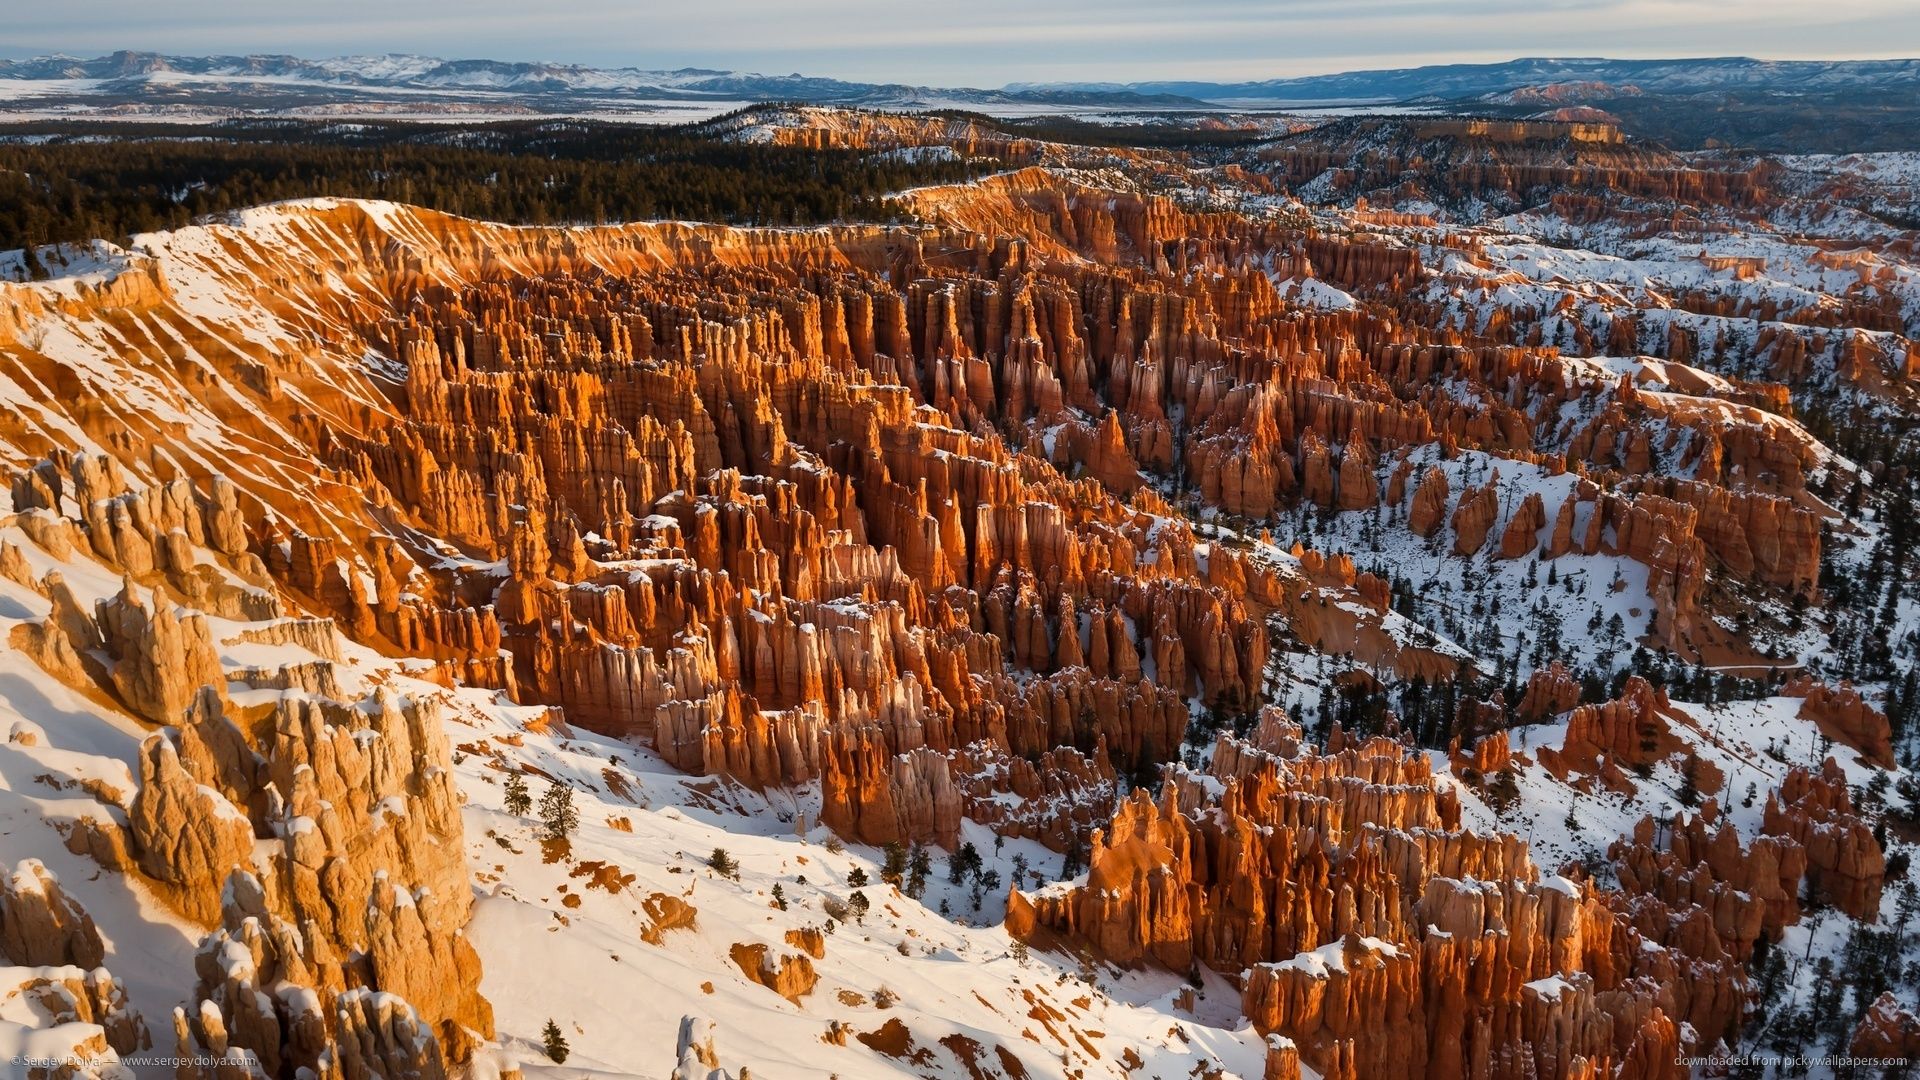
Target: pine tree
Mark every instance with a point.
(518, 801)
(557, 812)
(722, 863)
(894, 872)
(965, 862)
(919, 868)
(857, 877)
(1689, 793)
(1503, 791)
(555, 1042)
(779, 897)
(1075, 860)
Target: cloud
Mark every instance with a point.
(984, 42)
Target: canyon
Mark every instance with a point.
(1356, 633)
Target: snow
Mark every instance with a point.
(1550, 987)
(1484, 606)
(555, 945)
(920, 155)
(16, 90)
(952, 975)
(71, 267)
(1561, 884)
(1331, 957)
(1312, 292)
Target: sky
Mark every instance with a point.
(979, 42)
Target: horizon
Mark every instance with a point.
(992, 43)
(773, 72)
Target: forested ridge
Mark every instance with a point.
(70, 182)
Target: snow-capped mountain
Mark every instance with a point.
(1454, 81)
(134, 73)
(261, 80)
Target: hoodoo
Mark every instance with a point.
(1396, 598)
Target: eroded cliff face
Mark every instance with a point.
(836, 570)
(907, 407)
(1516, 161)
(314, 836)
(1373, 933)
(1845, 865)
(771, 538)
(969, 519)
(51, 964)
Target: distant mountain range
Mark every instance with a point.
(136, 74)
(135, 79)
(1458, 81)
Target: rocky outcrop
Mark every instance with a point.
(1630, 732)
(1470, 960)
(1473, 518)
(1506, 162)
(1333, 608)
(916, 799)
(1706, 902)
(287, 997)
(1429, 503)
(1283, 1059)
(845, 129)
(1359, 489)
(695, 1056)
(1488, 755)
(185, 836)
(1551, 690)
(1886, 1031)
(808, 940)
(666, 913)
(1137, 901)
(792, 976)
(161, 660)
(80, 1018)
(1058, 799)
(1561, 541)
(345, 810)
(1845, 717)
(1845, 865)
(1752, 535)
(1520, 537)
(1355, 1004)
(40, 925)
